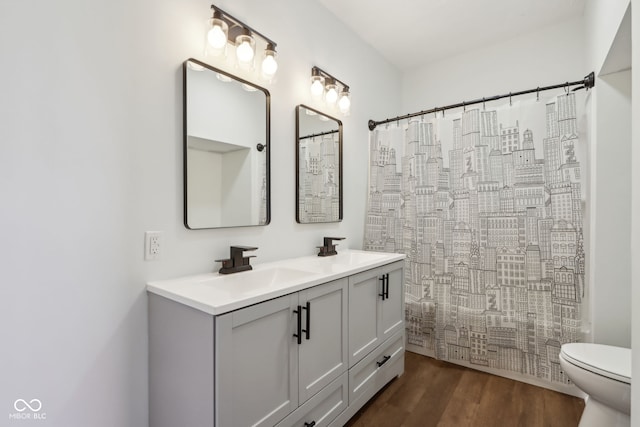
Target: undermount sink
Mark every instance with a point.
(258, 279)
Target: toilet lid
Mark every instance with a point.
(608, 361)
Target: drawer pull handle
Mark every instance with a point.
(311, 424)
(308, 330)
(299, 329)
(385, 359)
(383, 287)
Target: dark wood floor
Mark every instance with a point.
(437, 393)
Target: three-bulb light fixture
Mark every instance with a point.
(325, 86)
(224, 29)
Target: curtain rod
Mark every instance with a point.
(329, 132)
(587, 83)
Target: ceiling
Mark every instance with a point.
(414, 32)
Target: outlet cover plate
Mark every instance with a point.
(152, 245)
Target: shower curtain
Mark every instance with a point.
(487, 205)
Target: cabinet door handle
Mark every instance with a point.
(385, 359)
(382, 294)
(311, 424)
(299, 329)
(386, 292)
(308, 330)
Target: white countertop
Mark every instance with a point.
(216, 293)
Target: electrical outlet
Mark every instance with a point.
(152, 245)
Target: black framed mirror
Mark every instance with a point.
(226, 149)
(318, 167)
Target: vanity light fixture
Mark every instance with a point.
(223, 29)
(323, 83)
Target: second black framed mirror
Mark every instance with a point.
(318, 167)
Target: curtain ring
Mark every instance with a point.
(567, 88)
(538, 94)
(464, 107)
(484, 106)
(510, 103)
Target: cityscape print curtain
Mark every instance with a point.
(487, 205)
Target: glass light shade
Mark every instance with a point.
(332, 94)
(223, 78)
(217, 34)
(193, 66)
(245, 48)
(317, 86)
(344, 103)
(269, 64)
(248, 88)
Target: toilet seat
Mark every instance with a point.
(607, 361)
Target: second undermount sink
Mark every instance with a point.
(355, 257)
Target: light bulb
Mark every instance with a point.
(344, 103)
(244, 48)
(269, 63)
(332, 94)
(317, 87)
(217, 37)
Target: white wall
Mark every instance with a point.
(546, 57)
(610, 205)
(91, 157)
(610, 176)
(602, 18)
(635, 211)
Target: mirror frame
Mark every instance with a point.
(267, 145)
(297, 172)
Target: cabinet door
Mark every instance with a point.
(392, 313)
(256, 364)
(364, 294)
(322, 353)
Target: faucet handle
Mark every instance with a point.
(329, 240)
(244, 248)
(226, 263)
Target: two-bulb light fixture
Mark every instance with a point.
(223, 30)
(333, 91)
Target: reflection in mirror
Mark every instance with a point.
(318, 167)
(226, 149)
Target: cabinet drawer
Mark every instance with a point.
(322, 408)
(369, 373)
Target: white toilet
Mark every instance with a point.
(604, 373)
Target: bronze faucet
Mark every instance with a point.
(237, 262)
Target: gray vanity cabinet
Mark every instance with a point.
(263, 370)
(375, 308)
(312, 357)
